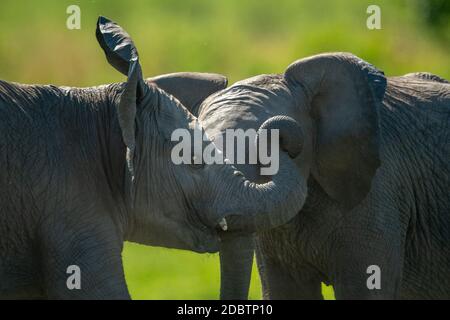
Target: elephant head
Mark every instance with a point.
(334, 98)
(185, 205)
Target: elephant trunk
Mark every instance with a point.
(256, 207)
(236, 261)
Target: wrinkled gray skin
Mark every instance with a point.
(83, 170)
(376, 156)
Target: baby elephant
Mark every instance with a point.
(376, 154)
(83, 170)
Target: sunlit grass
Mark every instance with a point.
(157, 273)
(234, 37)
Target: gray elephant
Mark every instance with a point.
(376, 154)
(83, 170)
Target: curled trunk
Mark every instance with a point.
(256, 207)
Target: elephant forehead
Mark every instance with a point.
(238, 108)
(246, 97)
(245, 106)
(263, 81)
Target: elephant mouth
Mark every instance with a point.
(206, 239)
(206, 242)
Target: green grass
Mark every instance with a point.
(234, 37)
(239, 38)
(157, 273)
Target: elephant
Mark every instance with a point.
(375, 152)
(85, 169)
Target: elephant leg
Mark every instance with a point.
(83, 263)
(366, 268)
(279, 284)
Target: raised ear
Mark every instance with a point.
(344, 93)
(116, 43)
(191, 88)
(122, 55)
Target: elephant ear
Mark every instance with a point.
(344, 93)
(122, 55)
(191, 88)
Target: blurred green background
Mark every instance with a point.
(239, 38)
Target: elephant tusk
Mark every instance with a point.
(238, 173)
(223, 224)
